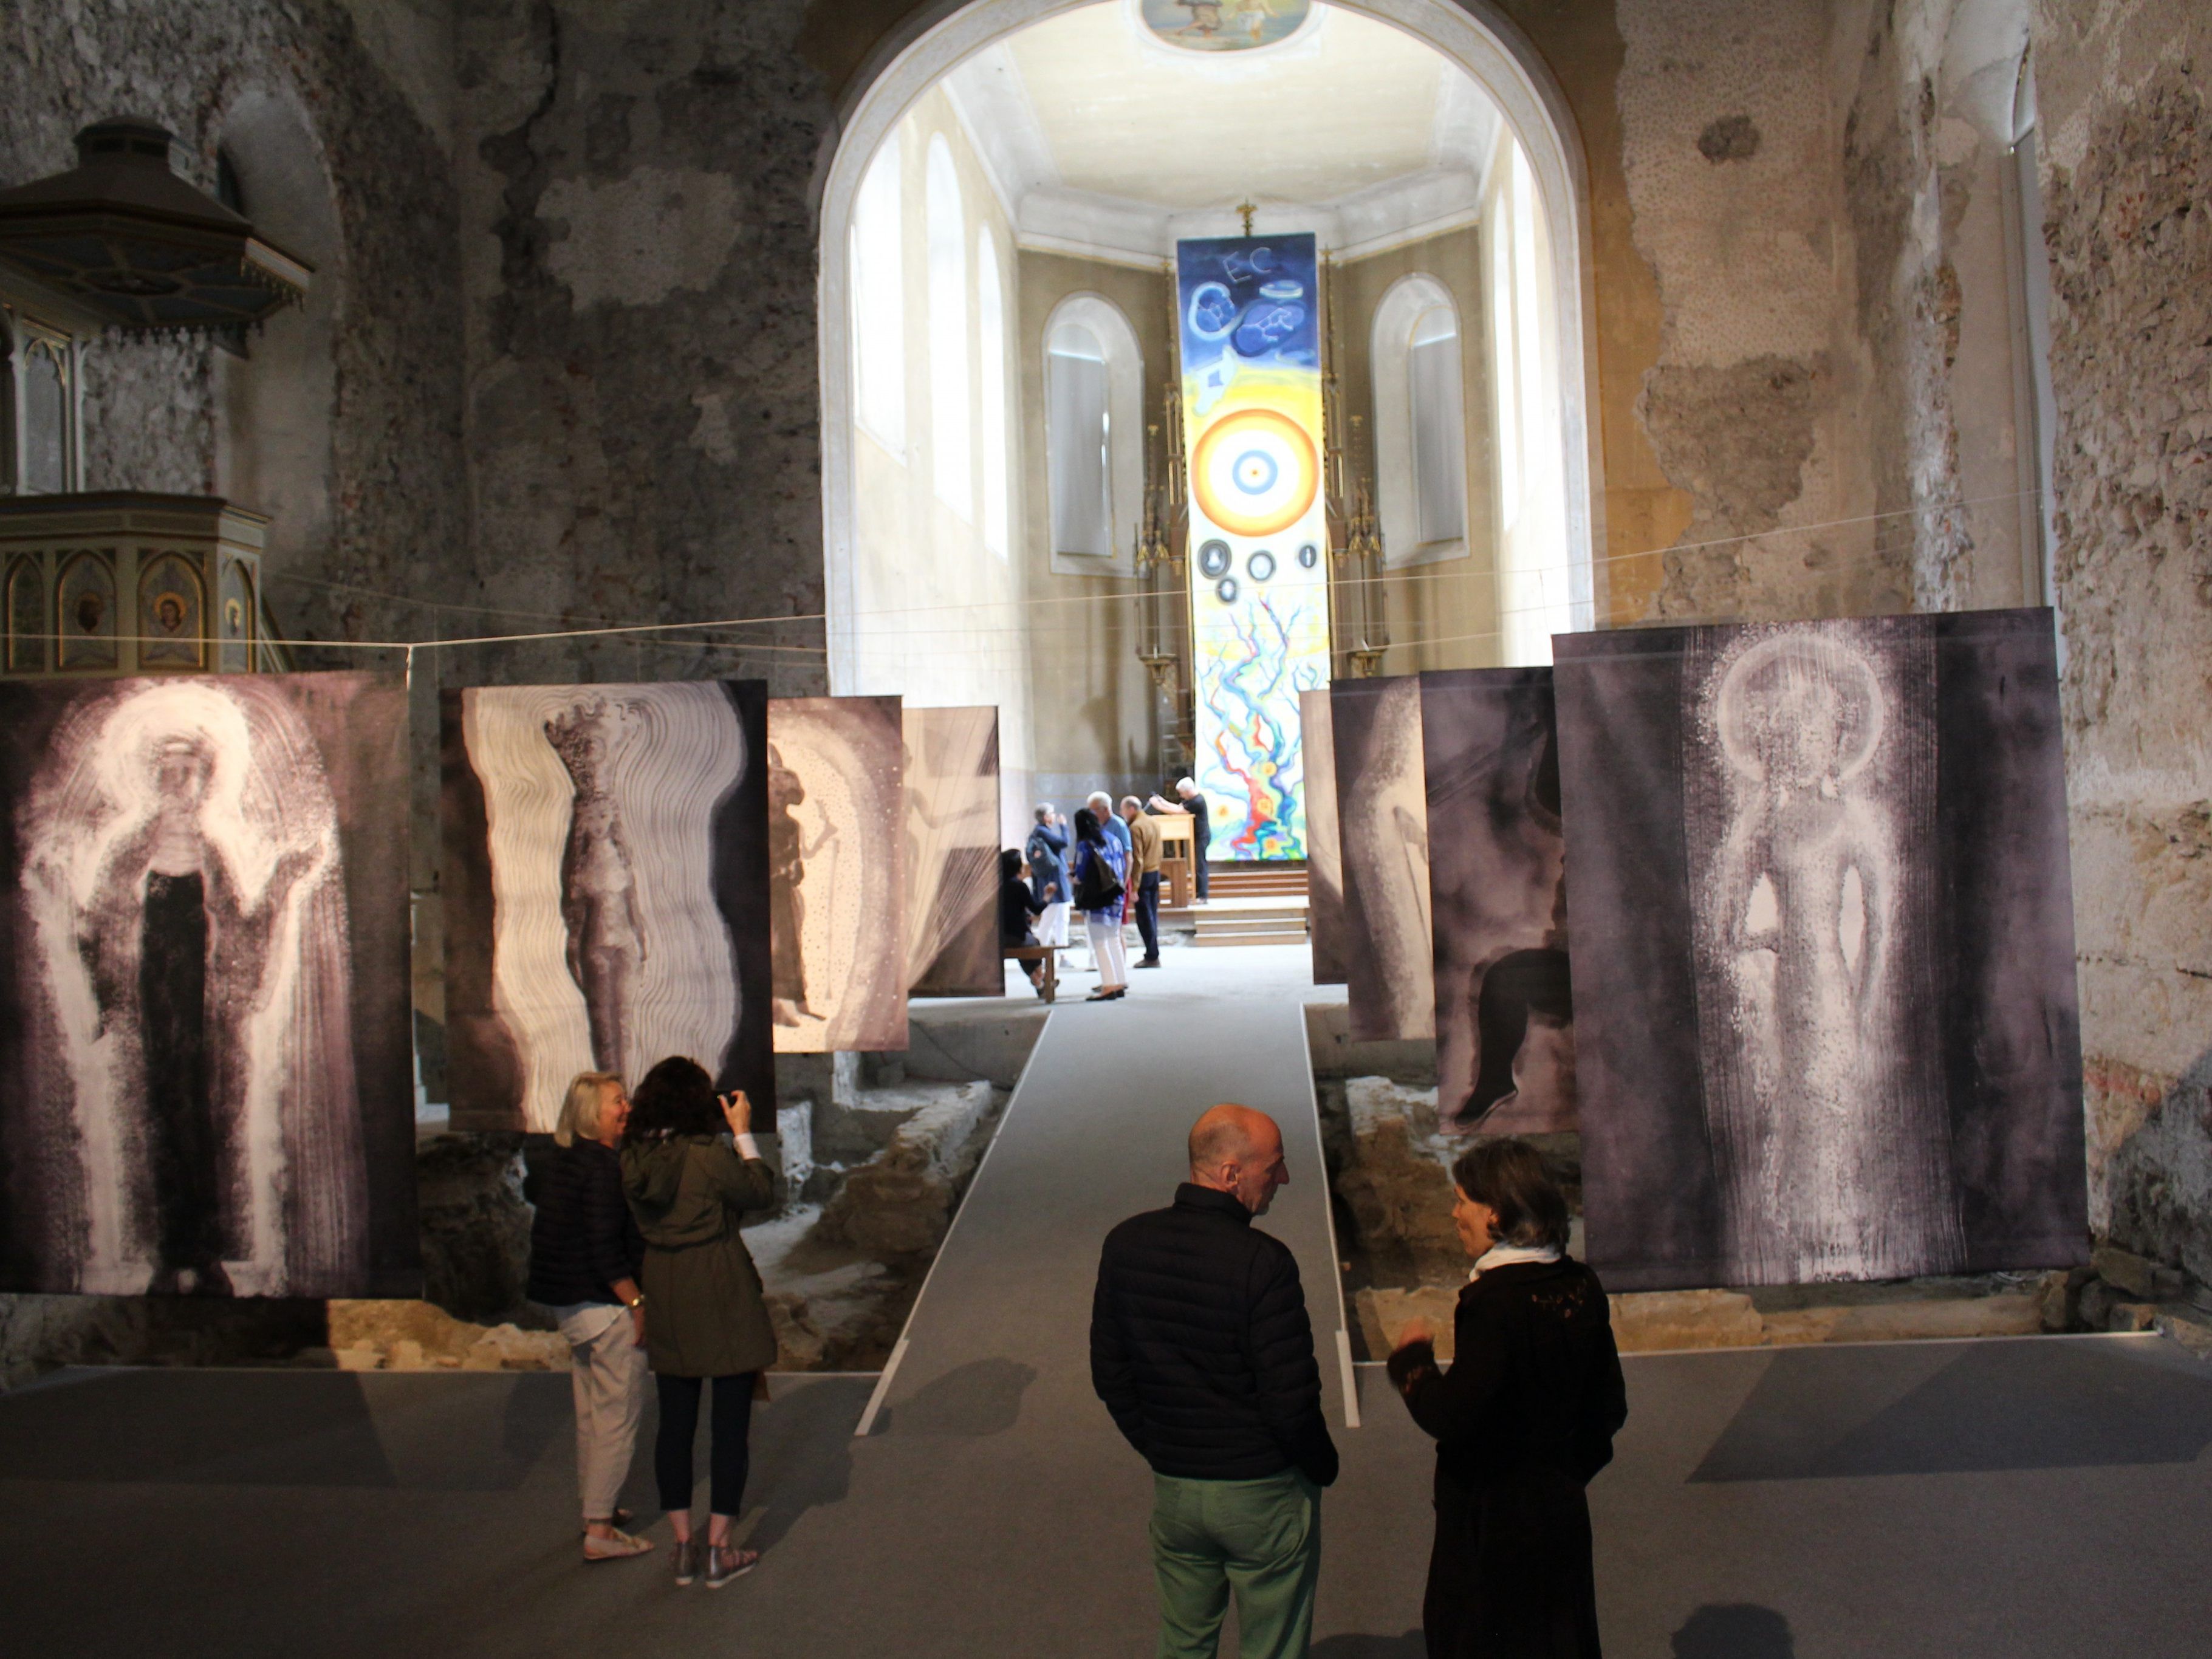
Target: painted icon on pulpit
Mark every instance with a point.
(1226, 25)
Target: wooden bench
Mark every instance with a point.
(1044, 953)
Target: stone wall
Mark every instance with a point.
(153, 419)
(2127, 156)
(576, 366)
(638, 250)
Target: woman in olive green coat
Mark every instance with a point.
(704, 1316)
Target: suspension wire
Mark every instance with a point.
(1428, 575)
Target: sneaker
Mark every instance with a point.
(614, 1546)
(724, 1564)
(688, 1550)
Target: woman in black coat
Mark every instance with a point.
(1522, 1419)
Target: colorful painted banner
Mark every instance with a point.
(1259, 571)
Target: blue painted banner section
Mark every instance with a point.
(1249, 309)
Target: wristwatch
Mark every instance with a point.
(634, 1306)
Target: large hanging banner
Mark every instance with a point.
(204, 1043)
(1259, 593)
(1497, 897)
(1383, 839)
(1824, 974)
(607, 890)
(952, 853)
(1324, 847)
(837, 883)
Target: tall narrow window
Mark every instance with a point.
(1420, 423)
(1079, 427)
(1537, 576)
(46, 419)
(879, 283)
(991, 329)
(1439, 431)
(1539, 445)
(951, 440)
(1504, 377)
(9, 483)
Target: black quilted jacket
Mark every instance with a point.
(1200, 1346)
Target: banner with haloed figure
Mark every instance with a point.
(1252, 418)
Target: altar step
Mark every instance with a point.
(1251, 904)
(1267, 919)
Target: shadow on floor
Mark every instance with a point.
(802, 1453)
(1999, 1406)
(1734, 1630)
(472, 1433)
(983, 1397)
(1408, 1646)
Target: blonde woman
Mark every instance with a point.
(586, 1255)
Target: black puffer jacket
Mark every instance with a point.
(584, 1238)
(1200, 1346)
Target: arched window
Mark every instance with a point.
(8, 464)
(1079, 425)
(1537, 578)
(1420, 423)
(876, 254)
(991, 327)
(951, 440)
(1094, 381)
(46, 417)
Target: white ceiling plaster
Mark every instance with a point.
(1102, 143)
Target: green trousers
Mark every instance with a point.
(1261, 1539)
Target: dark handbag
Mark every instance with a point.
(1096, 889)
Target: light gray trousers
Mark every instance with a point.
(607, 1372)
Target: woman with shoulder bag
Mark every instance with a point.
(1523, 1419)
(1100, 871)
(705, 1315)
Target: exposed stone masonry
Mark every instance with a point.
(2129, 224)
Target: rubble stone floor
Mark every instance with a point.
(2050, 1496)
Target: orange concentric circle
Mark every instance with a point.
(1254, 472)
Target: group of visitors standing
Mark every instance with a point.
(1104, 866)
(1201, 1349)
(636, 1250)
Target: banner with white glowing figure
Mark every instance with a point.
(1258, 584)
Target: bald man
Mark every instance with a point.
(1201, 1349)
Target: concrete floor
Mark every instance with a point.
(2015, 1499)
(2045, 1496)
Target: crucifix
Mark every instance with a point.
(1246, 207)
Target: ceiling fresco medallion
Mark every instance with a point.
(1225, 25)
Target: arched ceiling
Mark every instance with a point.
(1103, 140)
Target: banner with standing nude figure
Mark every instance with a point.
(837, 839)
(606, 890)
(1249, 308)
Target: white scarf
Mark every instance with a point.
(1505, 1255)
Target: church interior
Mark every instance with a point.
(1646, 561)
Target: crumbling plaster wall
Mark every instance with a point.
(1817, 190)
(638, 247)
(2127, 174)
(1731, 164)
